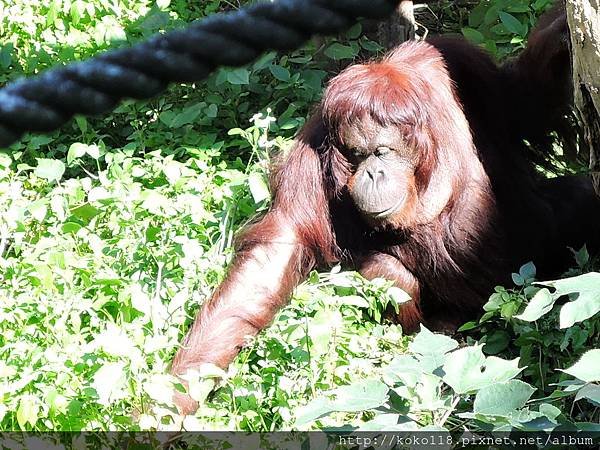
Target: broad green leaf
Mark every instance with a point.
(518, 279)
(339, 51)
(6, 55)
(279, 72)
(85, 212)
(473, 35)
(172, 170)
(314, 410)
(426, 343)
(258, 187)
(71, 227)
(398, 295)
(591, 392)
(467, 370)
(521, 6)
(496, 342)
(212, 111)
(81, 123)
(476, 15)
(27, 411)
(238, 76)
(38, 209)
(587, 368)
(511, 23)
(50, 169)
(494, 302)
(528, 271)
(109, 383)
(360, 396)
(582, 256)
(541, 303)
(406, 369)
(354, 32)
(432, 347)
(587, 303)
(187, 116)
(500, 399)
(76, 150)
(264, 61)
(93, 150)
(550, 411)
(38, 141)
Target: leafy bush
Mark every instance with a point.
(114, 230)
(501, 26)
(436, 385)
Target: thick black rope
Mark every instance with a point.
(45, 102)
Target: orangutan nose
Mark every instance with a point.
(375, 174)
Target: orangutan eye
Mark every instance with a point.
(358, 153)
(382, 151)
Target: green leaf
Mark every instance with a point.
(587, 303)
(93, 151)
(467, 370)
(398, 296)
(473, 35)
(38, 209)
(50, 169)
(338, 51)
(550, 411)
(517, 279)
(541, 303)
(314, 410)
(6, 55)
(354, 32)
(360, 396)
(582, 256)
(512, 24)
(212, 111)
(587, 368)
(501, 399)
(281, 73)
(477, 14)
(238, 76)
(71, 227)
(432, 347)
(258, 187)
(496, 342)
(427, 342)
(85, 212)
(187, 116)
(528, 271)
(590, 392)
(28, 411)
(81, 123)
(406, 369)
(76, 150)
(109, 382)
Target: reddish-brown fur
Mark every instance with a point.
(477, 210)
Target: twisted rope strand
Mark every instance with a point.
(47, 101)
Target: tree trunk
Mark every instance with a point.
(584, 23)
(400, 27)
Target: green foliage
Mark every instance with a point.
(114, 230)
(436, 385)
(501, 26)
